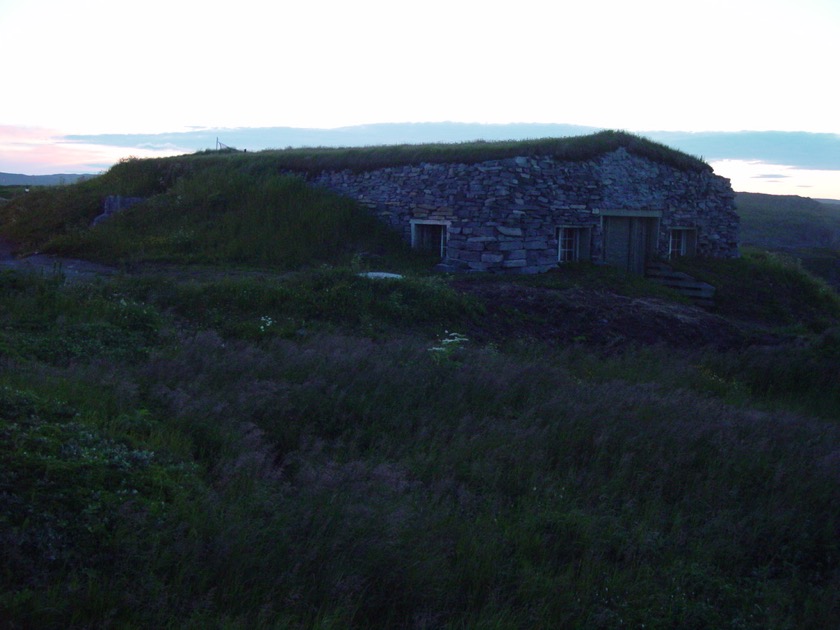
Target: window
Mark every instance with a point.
(682, 242)
(429, 236)
(572, 244)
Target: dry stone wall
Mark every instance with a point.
(503, 215)
(115, 203)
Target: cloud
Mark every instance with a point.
(161, 146)
(815, 151)
(779, 179)
(42, 151)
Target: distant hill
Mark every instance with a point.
(807, 229)
(16, 179)
(787, 221)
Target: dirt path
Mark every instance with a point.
(75, 269)
(70, 268)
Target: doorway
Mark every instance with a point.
(629, 241)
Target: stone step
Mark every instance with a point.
(701, 293)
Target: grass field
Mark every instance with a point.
(327, 451)
(278, 442)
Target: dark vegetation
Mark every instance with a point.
(264, 440)
(9, 191)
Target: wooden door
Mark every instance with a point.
(628, 242)
(617, 241)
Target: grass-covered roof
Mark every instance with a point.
(228, 178)
(575, 148)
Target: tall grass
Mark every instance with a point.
(336, 478)
(32, 219)
(793, 318)
(768, 289)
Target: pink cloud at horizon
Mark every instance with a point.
(41, 151)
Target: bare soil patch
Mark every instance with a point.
(593, 316)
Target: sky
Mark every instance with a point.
(86, 68)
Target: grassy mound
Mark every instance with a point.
(768, 289)
(572, 149)
(212, 215)
(245, 208)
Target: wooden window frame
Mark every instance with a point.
(682, 241)
(573, 243)
(419, 225)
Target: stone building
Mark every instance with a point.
(531, 212)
